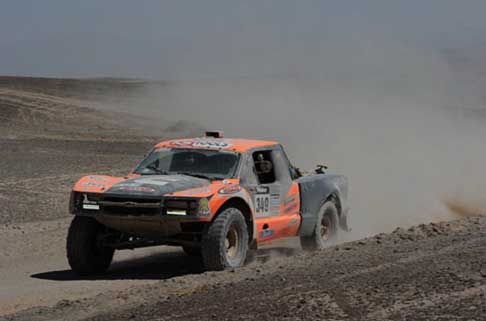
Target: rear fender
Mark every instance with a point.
(315, 190)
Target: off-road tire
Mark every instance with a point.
(215, 249)
(84, 254)
(328, 216)
(192, 251)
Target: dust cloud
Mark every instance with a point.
(386, 114)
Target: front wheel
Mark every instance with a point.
(192, 251)
(85, 254)
(225, 244)
(325, 231)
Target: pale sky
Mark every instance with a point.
(182, 39)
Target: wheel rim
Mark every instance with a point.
(232, 242)
(326, 228)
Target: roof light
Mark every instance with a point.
(215, 134)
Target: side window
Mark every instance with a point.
(264, 167)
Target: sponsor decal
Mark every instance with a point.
(98, 178)
(203, 143)
(196, 191)
(275, 200)
(230, 189)
(291, 208)
(157, 181)
(143, 181)
(275, 204)
(292, 222)
(93, 184)
(141, 189)
(164, 180)
(289, 199)
(262, 190)
(204, 207)
(128, 183)
(266, 233)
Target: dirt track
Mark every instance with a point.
(433, 272)
(34, 271)
(428, 272)
(49, 139)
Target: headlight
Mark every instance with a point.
(90, 202)
(204, 209)
(83, 201)
(181, 207)
(199, 207)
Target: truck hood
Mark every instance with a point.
(157, 185)
(152, 185)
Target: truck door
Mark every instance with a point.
(275, 196)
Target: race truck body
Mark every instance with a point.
(215, 197)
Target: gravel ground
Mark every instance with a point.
(37, 174)
(51, 137)
(428, 272)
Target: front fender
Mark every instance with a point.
(96, 183)
(241, 200)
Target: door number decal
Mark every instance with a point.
(262, 205)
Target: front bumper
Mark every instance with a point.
(142, 207)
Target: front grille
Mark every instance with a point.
(131, 206)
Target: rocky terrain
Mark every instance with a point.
(54, 131)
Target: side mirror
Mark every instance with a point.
(295, 172)
(321, 169)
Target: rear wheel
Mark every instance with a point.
(85, 253)
(225, 244)
(325, 231)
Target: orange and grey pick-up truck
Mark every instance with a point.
(215, 197)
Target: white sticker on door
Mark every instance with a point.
(262, 205)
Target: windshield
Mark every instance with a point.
(211, 164)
